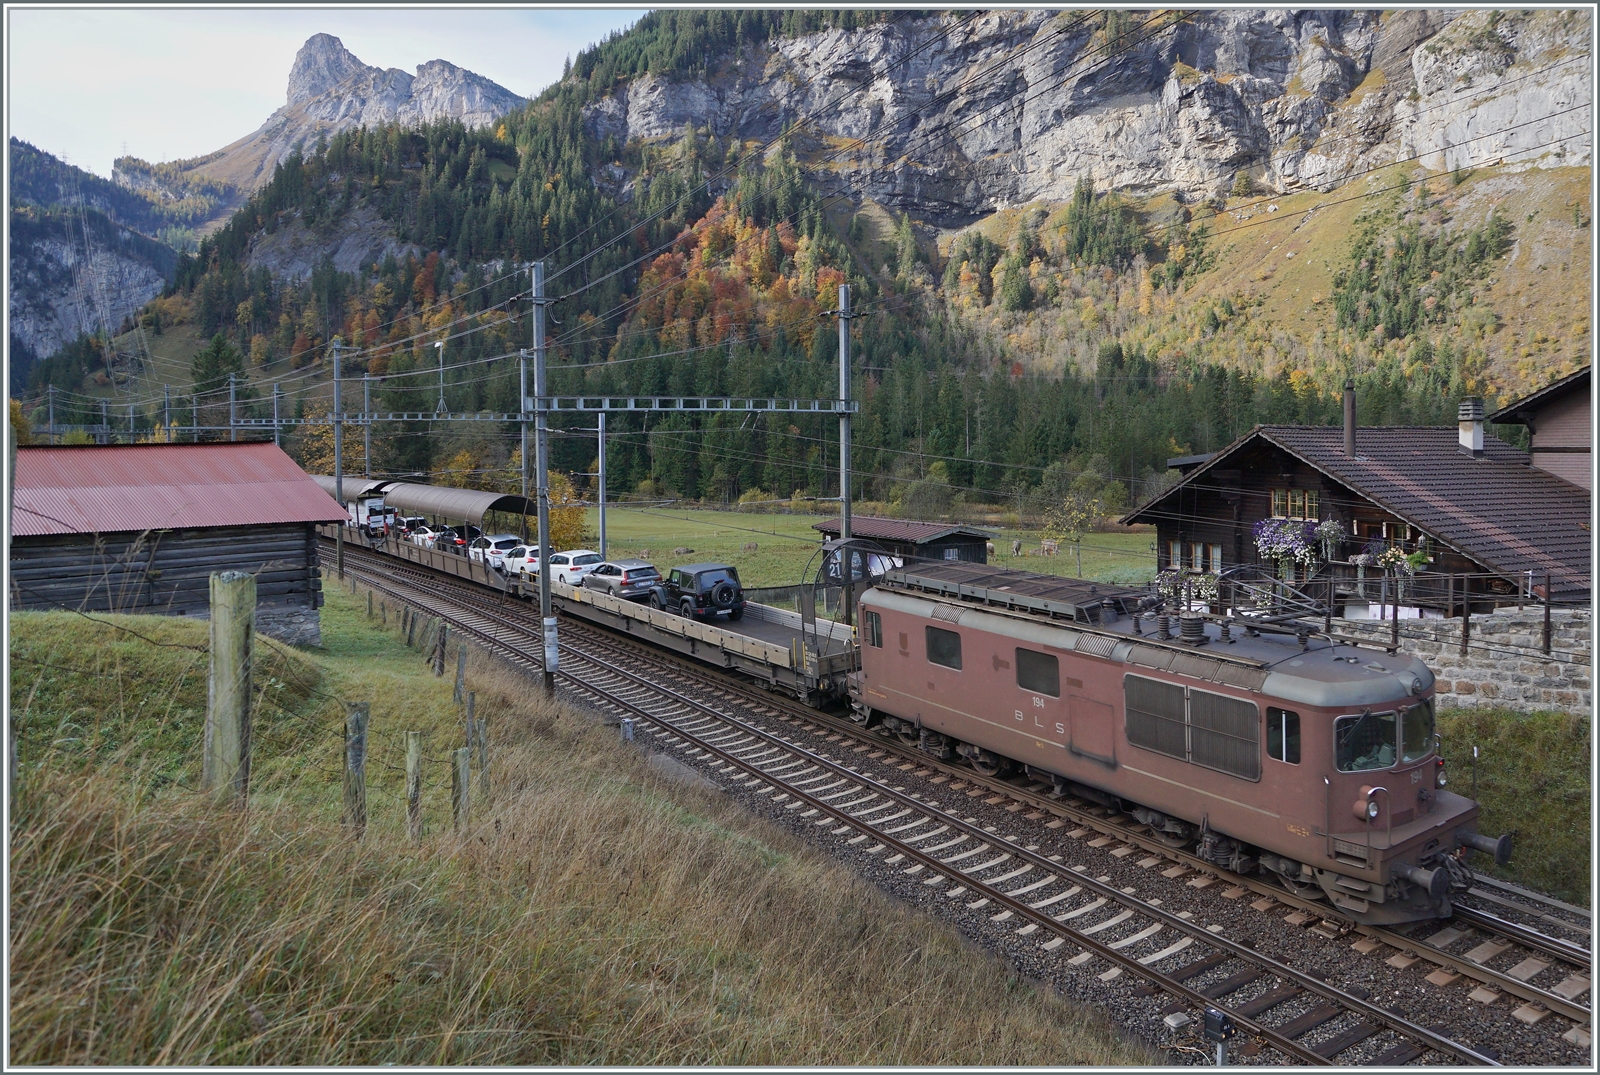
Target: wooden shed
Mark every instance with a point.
(142, 527)
(916, 540)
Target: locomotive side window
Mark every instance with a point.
(1155, 716)
(874, 626)
(1283, 735)
(1416, 731)
(1224, 734)
(944, 647)
(1364, 742)
(1038, 672)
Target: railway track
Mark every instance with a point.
(1141, 937)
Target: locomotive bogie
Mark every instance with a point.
(1306, 760)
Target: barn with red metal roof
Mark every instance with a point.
(142, 527)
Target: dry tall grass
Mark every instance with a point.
(592, 914)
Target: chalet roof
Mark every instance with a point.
(1519, 411)
(114, 488)
(879, 529)
(1496, 509)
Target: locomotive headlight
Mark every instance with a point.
(1372, 809)
(1438, 773)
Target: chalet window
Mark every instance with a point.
(1215, 566)
(1295, 503)
(1283, 735)
(1038, 672)
(1197, 556)
(1174, 554)
(874, 626)
(944, 648)
(952, 553)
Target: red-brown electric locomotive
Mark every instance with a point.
(1312, 761)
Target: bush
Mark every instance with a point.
(1533, 779)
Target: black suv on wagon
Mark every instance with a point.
(701, 590)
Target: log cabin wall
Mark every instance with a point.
(165, 571)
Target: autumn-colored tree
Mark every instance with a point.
(313, 449)
(19, 424)
(260, 351)
(464, 470)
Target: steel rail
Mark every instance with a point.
(1523, 935)
(1305, 982)
(1529, 895)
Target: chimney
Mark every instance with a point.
(1469, 420)
(1350, 418)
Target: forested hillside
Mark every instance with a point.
(1101, 334)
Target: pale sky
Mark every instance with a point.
(169, 83)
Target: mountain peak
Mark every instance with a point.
(322, 64)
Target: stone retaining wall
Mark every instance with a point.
(1505, 664)
(295, 626)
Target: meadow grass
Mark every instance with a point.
(1534, 778)
(785, 544)
(592, 913)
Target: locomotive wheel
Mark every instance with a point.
(1306, 890)
(990, 768)
(909, 735)
(1172, 839)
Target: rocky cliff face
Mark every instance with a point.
(1016, 106)
(59, 286)
(330, 90)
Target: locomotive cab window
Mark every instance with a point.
(1283, 735)
(944, 647)
(874, 632)
(1363, 742)
(1038, 672)
(1416, 731)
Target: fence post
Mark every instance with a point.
(438, 650)
(355, 767)
(472, 719)
(483, 758)
(411, 628)
(1547, 612)
(369, 604)
(460, 786)
(383, 614)
(414, 786)
(225, 764)
(1466, 612)
(1394, 628)
(461, 669)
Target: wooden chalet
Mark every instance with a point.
(909, 539)
(1472, 504)
(142, 527)
(1560, 417)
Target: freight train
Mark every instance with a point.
(1264, 748)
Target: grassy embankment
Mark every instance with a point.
(785, 543)
(593, 914)
(1533, 777)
